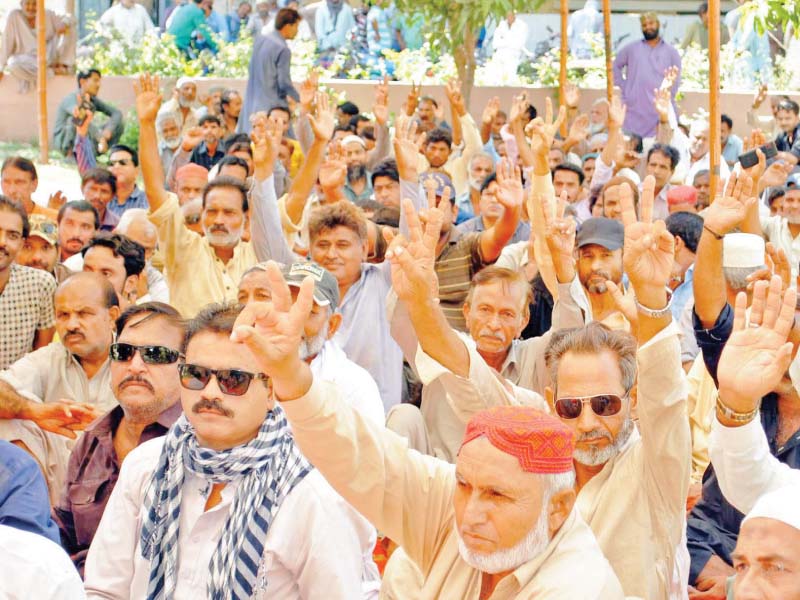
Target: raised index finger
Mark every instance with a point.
(646, 199)
(628, 208)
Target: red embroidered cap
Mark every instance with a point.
(541, 443)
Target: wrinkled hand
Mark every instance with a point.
(56, 200)
(510, 193)
(757, 354)
(572, 95)
(491, 110)
(543, 131)
(727, 211)
(648, 253)
(148, 97)
(63, 417)
(324, 122)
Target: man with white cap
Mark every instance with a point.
(183, 104)
(358, 187)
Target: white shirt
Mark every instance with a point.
(704, 164)
(312, 549)
(509, 40)
(132, 23)
(31, 566)
(355, 383)
(776, 229)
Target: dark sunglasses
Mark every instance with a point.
(231, 381)
(152, 355)
(123, 162)
(603, 405)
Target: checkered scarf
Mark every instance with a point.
(267, 469)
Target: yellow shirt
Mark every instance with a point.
(195, 275)
(409, 497)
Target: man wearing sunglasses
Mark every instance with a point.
(123, 162)
(253, 513)
(144, 379)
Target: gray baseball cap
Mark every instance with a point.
(326, 288)
(607, 233)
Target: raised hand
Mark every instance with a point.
(412, 100)
(543, 131)
(148, 97)
(308, 90)
(572, 95)
(560, 237)
(616, 113)
(453, 91)
(775, 174)
(730, 209)
(491, 110)
(757, 354)
(663, 103)
(56, 200)
(333, 172)
(760, 96)
(670, 77)
(519, 105)
(381, 107)
(648, 253)
(192, 138)
(265, 144)
(406, 149)
(510, 193)
(579, 130)
(62, 417)
(325, 121)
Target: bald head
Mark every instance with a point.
(135, 225)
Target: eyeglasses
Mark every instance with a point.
(231, 381)
(123, 162)
(603, 405)
(152, 355)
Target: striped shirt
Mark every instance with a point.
(455, 266)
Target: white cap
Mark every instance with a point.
(743, 250)
(184, 80)
(782, 505)
(350, 139)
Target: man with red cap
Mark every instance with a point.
(502, 524)
(682, 198)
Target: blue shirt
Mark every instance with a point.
(682, 294)
(24, 500)
(733, 148)
(137, 199)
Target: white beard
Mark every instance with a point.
(600, 456)
(310, 348)
(531, 546)
(225, 240)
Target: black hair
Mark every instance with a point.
(789, 105)
(572, 169)
(100, 176)
(21, 163)
(155, 309)
(226, 96)
(671, 153)
(83, 75)
(347, 128)
(237, 138)
(124, 148)
(775, 193)
(79, 206)
(702, 9)
(385, 168)
(356, 119)
(131, 252)
(235, 161)
(687, 226)
(239, 147)
(727, 120)
(439, 135)
(488, 180)
(208, 119)
(348, 108)
(286, 16)
(430, 99)
(215, 318)
(638, 144)
(226, 181)
(531, 110)
(9, 205)
(281, 108)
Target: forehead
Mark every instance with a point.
(12, 171)
(224, 198)
(78, 215)
(384, 180)
(353, 147)
(340, 232)
(499, 292)
(565, 176)
(39, 243)
(117, 154)
(482, 161)
(101, 256)
(254, 280)
(10, 220)
(217, 351)
(584, 374)
(188, 87)
(484, 466)
(658, 157)
(595, 250)
(761, 537)
(192, 182)
(151, 329)
(75, 295)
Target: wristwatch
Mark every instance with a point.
(737, 417)
(655, 314)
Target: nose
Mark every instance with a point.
(746, 586)
(474, 511)
(72, 321)
(587, 420)
(137, 365)
(212, 390)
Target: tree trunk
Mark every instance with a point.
(464, 57)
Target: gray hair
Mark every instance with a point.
(131, 216)
(163, 117)
(553, 483)
(593, 339)
(480, 154)
(736, 277)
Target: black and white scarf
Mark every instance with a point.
(267, 469)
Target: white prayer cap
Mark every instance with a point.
(782, 505)
(184, 80)
(350, 139)
(743, 250)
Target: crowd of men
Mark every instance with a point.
(271, 344)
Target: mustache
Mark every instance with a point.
(206, 404)
(218, 228)
(486, 332)
(595, 434)
(136, 379)
(74, 332)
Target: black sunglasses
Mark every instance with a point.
(231, 381)
(152, 355)
(603, 405)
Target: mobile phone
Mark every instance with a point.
(748, 159)
(769, 150)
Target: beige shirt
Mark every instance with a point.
(409, 497)
(700, 405)
(20, 39)
(457, 165)
(195, 274)
(636, 504)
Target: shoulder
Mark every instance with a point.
(142, 460)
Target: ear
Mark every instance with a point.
(334, 322)
(130, 286)
(559, 509)
(634, 396)
(678, 244)
(465, 312)
(113, 314)
(549, 396)
(365, 250)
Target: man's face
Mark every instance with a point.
(490, 208)
(704, 18)
(101, 260)
(285, 155)
(479, 169)
(568, 181)
(426, 111)
(767, 561)
(790, 209)
(246, 157)
(171, 133)
(610, 203)
(499, 121)
(650, 29)
(787, 120)
(702, 183)
(28, 8)
(660, 167)
(98, 195)
(263, 9)
(120, 163)
(221, 420)
(437, 153)
(234, 106)
(496, 315)
(223, 217)
(387, 191)
(91, 85)
(190, 187)
(211, 133)
(187, 94)
(598, 115)
(83, 322)
(144, 234)
(724, 133)
(38, 253)
(341, 252)
(597, 439)
(282, 117)
(554, 158)
(342, 118)
(355, 155)
(698, 140)
(11, 239)
(244, 10)
(596, 265)
(496, 503)
(145, 390)
(588, 169)
(17, 184)
(74, 231)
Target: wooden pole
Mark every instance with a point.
(41, 80)
(607, 36)
(562, 76)
(713, 94)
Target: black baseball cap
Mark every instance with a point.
(600, 231)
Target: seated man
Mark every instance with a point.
(135, 225)
(64, 129)
(123, 162)
(229, 470)
(118, 259)
(78, 221)
(49, 394)
(144, 380)
(40, 250)
(19, 180)
(99, 186)
(504, 522)
(19, 45)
